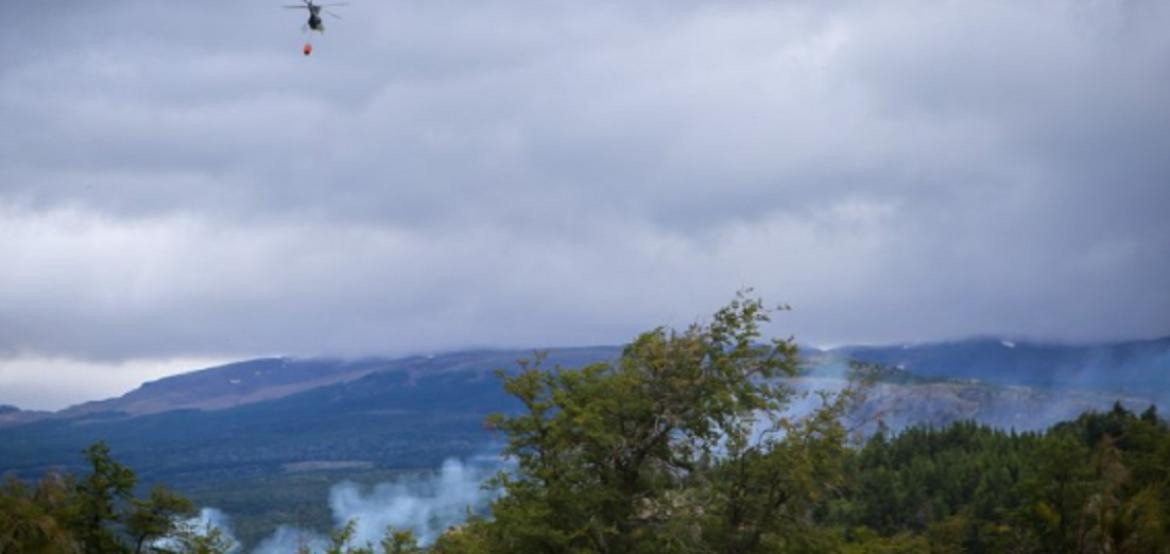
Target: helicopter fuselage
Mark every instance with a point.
(315, 22)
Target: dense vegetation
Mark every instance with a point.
(258, 505)
(1096, 484)
(680, 447)
(98, 514)
(684, 445)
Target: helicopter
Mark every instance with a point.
(315, 10)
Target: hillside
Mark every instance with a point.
(231, 436)
(410, 412)
(259, 416)
(1133, 366)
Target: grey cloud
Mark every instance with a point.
(182, 182)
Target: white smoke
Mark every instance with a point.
(207, 522)
(427, 505)
(940, 403)
(212, 518)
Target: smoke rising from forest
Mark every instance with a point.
(426, 505)
(204, 523)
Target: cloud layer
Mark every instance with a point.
(180, 181)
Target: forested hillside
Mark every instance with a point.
(682, 445)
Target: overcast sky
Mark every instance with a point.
(180, 186)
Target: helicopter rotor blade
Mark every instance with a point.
(332, 14)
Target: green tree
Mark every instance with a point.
(100, 498)
(34, 519)
(398, 541)
(155, 517)
(194, 538)
(98, 514)
(680, 445)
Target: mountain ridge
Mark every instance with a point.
(376, 416)
(987, 358)
(1130, 366)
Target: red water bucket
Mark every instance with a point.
(308, 48)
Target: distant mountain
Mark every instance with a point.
(1134, 366)
(269, 415)
(409, 412)
(235, 384)
(11, 415)
(267, 379)
(265, 438)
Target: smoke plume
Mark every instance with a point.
(427, 505)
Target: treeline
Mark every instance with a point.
(99, 514)
(683, 445)
(1096, 484)
(688, 443)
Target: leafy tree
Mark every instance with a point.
(100, 497)
(155, 517)
(98, 514)
(35, 518)
(341, 540)
(400, 542)
(193, 538)
(468, 538)
(678, 446)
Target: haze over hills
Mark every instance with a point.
(416, 410)
(232, 435)
(1140, 366)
